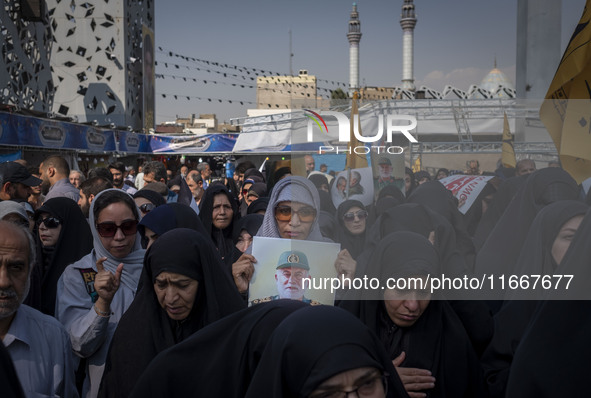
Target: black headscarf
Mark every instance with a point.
(258, 205)
(312, 345)
(439, 199)
(230, 347)
(221, 238)
(74, 242)
(152, 196)
(515, 315)
(437, 341)
(170, 216)
(251, 223)
(505, 193)
(355, 244)
(552, 359)
(501, 250)
(145, 329)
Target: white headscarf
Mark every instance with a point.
(295, 189)
(132, 263)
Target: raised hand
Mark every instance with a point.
(106, 284)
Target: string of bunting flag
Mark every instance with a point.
(211, 65)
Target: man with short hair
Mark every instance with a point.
(16, 182)
(37, 343)
(292, 269)
(156, 172)
(525, 166)
(76, 178)
(55, 173)
(89, 189)
(205, 171)
(118, 171)
(195, 183)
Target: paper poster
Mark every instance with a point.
(466, 188)
(388, 169)
(291, 269)
(359, 186)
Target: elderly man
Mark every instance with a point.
(525, 166)
(195, 183)
(55, 173)
(292, 269)
(37, 343)
(16, 182)
(76, 178)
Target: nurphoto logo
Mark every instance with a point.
(395, 124)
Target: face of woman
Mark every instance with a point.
(365, 381)
(299, 224)
(176, 294)
(222, 211)
(119, 245)
(355, 225)
(48, 236)
(564, 237)
(150, 237)
(405, 306)
(244, 241)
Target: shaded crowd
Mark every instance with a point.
(122, 284)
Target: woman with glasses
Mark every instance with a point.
(420, 331)
(165, 218)
(93, 293)
(63, 237)
(184, 288)
(352, 217)
(147, 200)
(292, 211)
(324, 352)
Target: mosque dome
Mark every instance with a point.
(493, 80)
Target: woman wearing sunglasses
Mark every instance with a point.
(292, 211)
(63, 237)
(351, 216)
(94, 292)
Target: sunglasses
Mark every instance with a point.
(360, 214)
(305, 214)
(49, 222)
(147, 207)
(109, 229)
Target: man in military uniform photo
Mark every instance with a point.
(385, 176)
(292, 268)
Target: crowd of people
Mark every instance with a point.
(117, 283)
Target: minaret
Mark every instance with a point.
(408, 21)
(354, 37)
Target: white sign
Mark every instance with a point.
(465, 188)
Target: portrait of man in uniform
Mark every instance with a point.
(291, 270)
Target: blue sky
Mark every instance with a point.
(455, 43)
